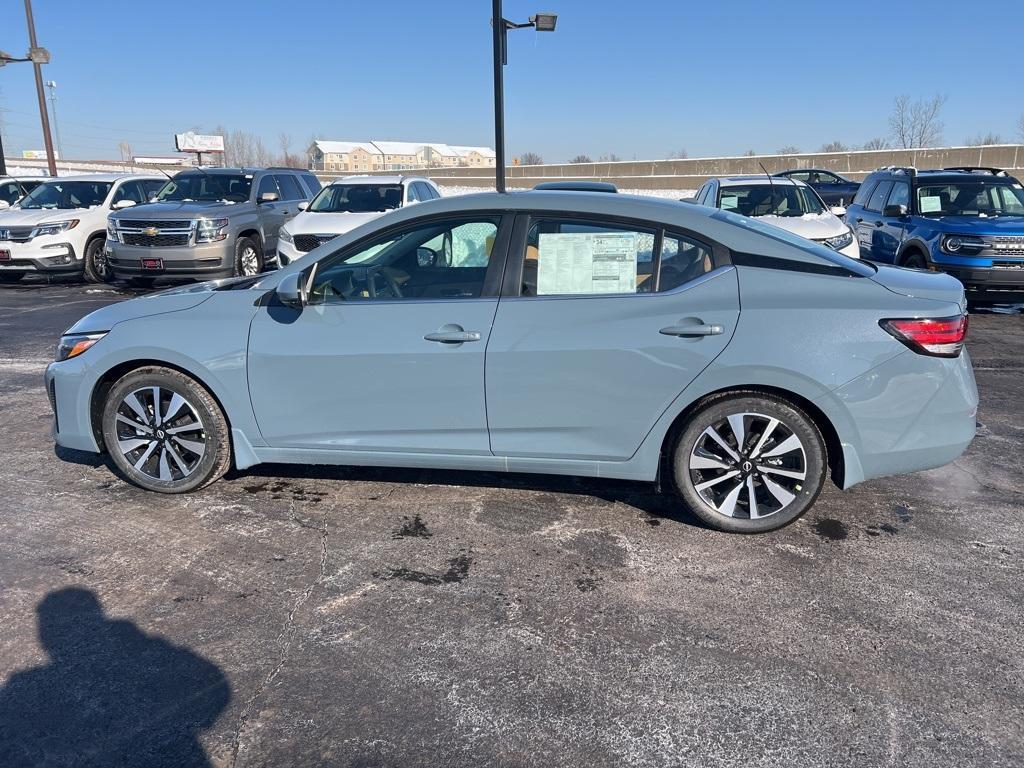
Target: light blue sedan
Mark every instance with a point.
(564, 332)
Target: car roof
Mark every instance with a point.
(747, 181)
(368, 179)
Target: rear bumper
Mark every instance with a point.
(208, 261)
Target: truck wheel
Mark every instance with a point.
(95, 262)
(248, 257)
(749, 462)
(11, 277)
(164, 431)
(914, 259)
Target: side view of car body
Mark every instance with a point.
(967, 222)
(61, 225)
(789, 205)
(346, 203)
(558, 332)
(831, 187)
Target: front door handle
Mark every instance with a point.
(453, 337)
(879, 223)
(860, 220)
(693, 330)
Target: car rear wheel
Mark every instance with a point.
(95, 262)
(11, 277)
(248, 257)
(749, 463)
(165, 432)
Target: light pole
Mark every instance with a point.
(52, 85)
(37, 56)
(542, 22)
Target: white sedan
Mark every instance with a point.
(785, 203)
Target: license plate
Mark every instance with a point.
(152, 263)
(5, 255)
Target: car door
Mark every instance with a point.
(829, 187)
(388, 353)
(291, 195)
(868, 221)
(269, 211)
(889, 231)
(601, 325)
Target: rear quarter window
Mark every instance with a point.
(864, 193)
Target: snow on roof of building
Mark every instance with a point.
(401, 148)
(344, 147)
(485, 151)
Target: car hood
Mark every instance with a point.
(177, 210)
(813, 226)
(918, 283)
(973, 225)
(172, 300)
(17, 217)
(309, 222)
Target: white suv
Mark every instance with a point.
(61, 225)
(343, 205)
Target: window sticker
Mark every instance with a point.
(587, 262)
(730, 202)
(931, 204)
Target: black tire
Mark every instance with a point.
(94, 262)
(141, 282)
(248, 257)
(770, 488)
(11, 277)
(165, 461)
(914, 259)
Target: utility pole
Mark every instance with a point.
(52, 85)
(37, 62)
(3, 163)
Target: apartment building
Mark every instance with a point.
(361, 156)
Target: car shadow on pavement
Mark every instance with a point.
(109, 695)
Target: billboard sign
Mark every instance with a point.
(35, 154)
(194, 142)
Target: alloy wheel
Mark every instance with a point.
(160, 433)
(250, 261)
(748, 466)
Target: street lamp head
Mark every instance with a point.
(544, 22)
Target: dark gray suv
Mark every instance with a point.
(207, 223)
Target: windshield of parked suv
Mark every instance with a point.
(764, 200)
(185, 187)
(67, 195)
(357, 198)
(970, 198)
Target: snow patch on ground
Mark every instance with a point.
(671, 194)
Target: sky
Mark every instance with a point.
(642, 79)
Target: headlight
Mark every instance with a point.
(211, 230)
(75, 344)
(965, 245)
(54, 228)
(839, 242)
(285, 235)
(112, 230)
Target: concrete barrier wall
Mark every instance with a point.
(692, 172)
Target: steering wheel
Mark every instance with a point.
(390, 284)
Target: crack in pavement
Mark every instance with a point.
(285, 640)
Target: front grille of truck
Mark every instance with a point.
(306, 243)
(1008, 245)
(155, 241)
(146, 223)
(16, 234)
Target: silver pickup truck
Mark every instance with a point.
(207, 223)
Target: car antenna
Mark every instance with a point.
(770, 183)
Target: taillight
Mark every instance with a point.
(939, 337)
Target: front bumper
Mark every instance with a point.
(69, 385)
(206, 261)
(988, 279)
(42, 254)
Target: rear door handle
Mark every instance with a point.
(693, 330)
(453, 337)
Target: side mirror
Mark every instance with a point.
(4, 205)
(291, 291)
(152, 197)
(425, 257)
(120, 205)
(303, 205)
(410, 202)
(838, 210)
(895, 210)
(268, 197)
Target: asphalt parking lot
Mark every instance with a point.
(370, 617)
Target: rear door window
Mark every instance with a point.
(312, 183)
(864, 193)
(877, 200)
(290, 189)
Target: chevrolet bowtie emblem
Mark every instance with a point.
(151, 231)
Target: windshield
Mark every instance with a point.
(229, 187)
(67, 195)
(971, 198)
(357, 198)
(765, 200)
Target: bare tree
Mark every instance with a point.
(679, 154)
(530, 158)
(916, 123)
(126, 151)
(834, 146)
(1020, 127)
(581, 159)
(610, 157)
(984, 140)
(750, 153)
(789, 149)
(876, 143)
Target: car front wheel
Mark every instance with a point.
(749, 463)
(248, 257)
(164, 431)
(95, 262)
